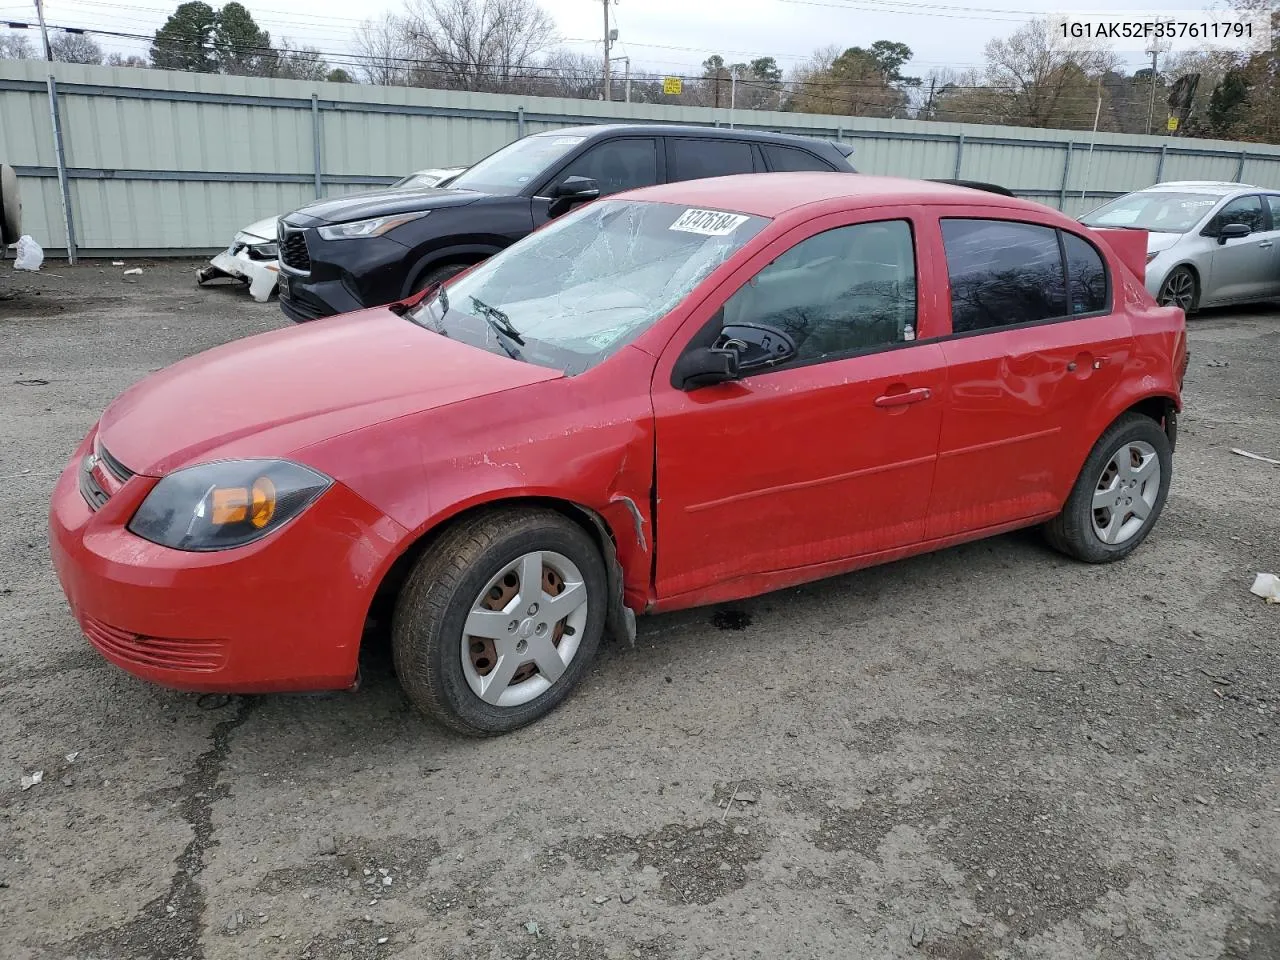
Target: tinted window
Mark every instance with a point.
(1273, 203)
(1247, 210)
(618, 165)
(1002, 273)
(695, 159)
(849, 289)
(1086, 275)
(791, 159)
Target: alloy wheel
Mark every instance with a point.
(1126, 492)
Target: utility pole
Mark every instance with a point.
(608, 46)
(733, 94)
(44, 31)
(1155, 49)
(928, 107)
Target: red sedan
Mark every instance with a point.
(682, 395)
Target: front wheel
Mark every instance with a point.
(1180, 290)
(438, 275)
(499, 620)
(1119, 494)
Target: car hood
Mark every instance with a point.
(264, 230)
(275, 394)
(1159, 242)
(380, 203)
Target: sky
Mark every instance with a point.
(659, 35)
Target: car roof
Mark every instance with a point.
(775, 194)
(1219, 187)
(596, 131)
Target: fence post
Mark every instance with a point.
(1066, 174)
(1164, 151)
(959, 154)
(59, 153)
(315, 144)
(520, 123)
(1240, 166)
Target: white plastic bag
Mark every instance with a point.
(1266, 586)
(30, 256)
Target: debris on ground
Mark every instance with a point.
(1266, 586)
(135, 272)
(1254, 456)
(627, 896)
(71, 757)
(117, 263)
(32, 383)
(30, 256)
(532, 928)
(1218, 363)
(917, 934)
(31, 781)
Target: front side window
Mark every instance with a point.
(697, 159)
(1273, 204)
(618, 165)
(1160, 211)
(1246, 210)
(1003, 273)
(573, 293)
(839, 292)
(512, 168)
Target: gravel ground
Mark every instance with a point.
(990, 752)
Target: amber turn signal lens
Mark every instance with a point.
(230, 505)
(264, 502)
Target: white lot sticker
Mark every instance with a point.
(567, 141)
(709, 223)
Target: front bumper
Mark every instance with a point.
(283, 614)
(261, 275)
(339, 276)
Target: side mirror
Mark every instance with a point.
(572, 190)
(757, 345)
(1233, 231)
(703, 366)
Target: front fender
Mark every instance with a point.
(459, 253)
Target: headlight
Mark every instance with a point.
(265, 251)
(216, 506)
(368, 228)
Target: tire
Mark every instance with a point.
(10, 206)
(460, 576)
(1109, 533)
(1180, 289)
(438, 275)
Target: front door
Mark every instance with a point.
(1035, 345)
(1241, 268)
(827, 456)
(624, 163)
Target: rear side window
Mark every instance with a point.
(1003, 273)
(789, 159)
(1086, 275)
(1273, 204)
(696, 159)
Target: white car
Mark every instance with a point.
(253, 256)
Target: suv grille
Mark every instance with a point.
(293, 251)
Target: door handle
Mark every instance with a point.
(1265, 244)
(902, 399)
(1098, 364)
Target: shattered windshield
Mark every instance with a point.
(577, 291)
(1159, 211)
(509, 171)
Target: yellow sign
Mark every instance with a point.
(1173, 124)
(672, 86)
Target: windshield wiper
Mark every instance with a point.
(498, 320)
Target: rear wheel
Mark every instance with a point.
(1119, 494)
(1180, 289)
(499, 620)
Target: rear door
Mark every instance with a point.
(1034, 344)
(1241, 269)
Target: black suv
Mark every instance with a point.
(373, 248)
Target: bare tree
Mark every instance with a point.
(1044, 83)
(132, 60)
(566, 74)
(478, 44)
(384, 51)
(75, 48)
(14, 46)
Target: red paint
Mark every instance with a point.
(764, 483)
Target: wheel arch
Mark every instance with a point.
(464, 253)
(621, 619)
(1195, 275)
